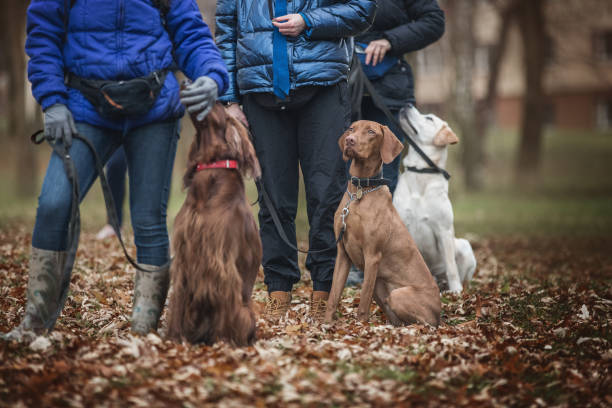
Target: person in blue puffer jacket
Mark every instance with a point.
(288, 62)
(102, 68)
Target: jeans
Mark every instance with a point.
(300, 136)
(149, 151)
(371, 112)
(115, 174)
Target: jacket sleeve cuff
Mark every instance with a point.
(219, 80)
(308, 30)
(52, 100)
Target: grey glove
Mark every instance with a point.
(59, 124)
(200, 96)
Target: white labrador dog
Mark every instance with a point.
(423, 204)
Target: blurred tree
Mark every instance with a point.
(532, 23)
(460, 20)
(12, 25)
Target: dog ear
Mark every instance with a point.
(341, 144)
(391, 146)
(248, 158)
(445, 136)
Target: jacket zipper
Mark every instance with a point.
(121, 35)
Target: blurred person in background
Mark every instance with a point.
(102, 68)
(115, 175)
(288, 62)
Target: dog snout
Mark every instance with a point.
(350, 140)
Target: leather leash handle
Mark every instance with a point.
(378, 102)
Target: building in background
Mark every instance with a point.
(578, 73)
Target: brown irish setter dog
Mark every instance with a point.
(217, 249)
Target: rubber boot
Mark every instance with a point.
(150, 291)
(45, 294)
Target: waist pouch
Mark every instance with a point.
(370, 71)
(295, 100)
(119, 99)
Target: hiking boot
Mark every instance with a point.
(318, 304)
(150, 291)
(43, 296)
(277, 305)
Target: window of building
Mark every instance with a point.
(603, 45)
(603, 114)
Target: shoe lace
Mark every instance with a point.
(318, 306)
(273, 305)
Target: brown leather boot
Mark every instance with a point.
(277, 305)
(318, 304)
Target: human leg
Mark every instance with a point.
(320, 123)
(274, 139)
(116, 169)
(49, 276)
(150, 152)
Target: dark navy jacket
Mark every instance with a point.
(409, 25)
(115, 40)
(319, 56)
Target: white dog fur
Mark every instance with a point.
(423, 204)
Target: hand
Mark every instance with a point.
(291, 24)
(376, 50)
(59, 124)
(234, 110)
(200, 96)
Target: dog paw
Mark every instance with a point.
(456, 288)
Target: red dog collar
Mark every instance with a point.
(221, 164)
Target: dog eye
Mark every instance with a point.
(429, 118)
(350, 129)
(370, 131)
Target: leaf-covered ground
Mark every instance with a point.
(533, 329)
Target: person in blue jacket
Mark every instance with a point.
(102, 68)
(288, 62)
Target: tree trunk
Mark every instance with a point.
(485, 110)
(14, 18)
(463, 46)
(531, 20)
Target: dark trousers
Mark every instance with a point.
(371, 112)
(288, 137)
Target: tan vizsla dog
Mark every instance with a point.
(375, 238)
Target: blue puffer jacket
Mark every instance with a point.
(319, 56)
(114, 40)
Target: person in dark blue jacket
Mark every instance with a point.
(288, 62)
(400, 27)
(102, 68)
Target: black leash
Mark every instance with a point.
(74, 225)
(279, 226)
(380, 104)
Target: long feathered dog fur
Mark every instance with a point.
(217, 249)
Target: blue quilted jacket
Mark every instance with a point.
(319, 56)
(114, 40)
